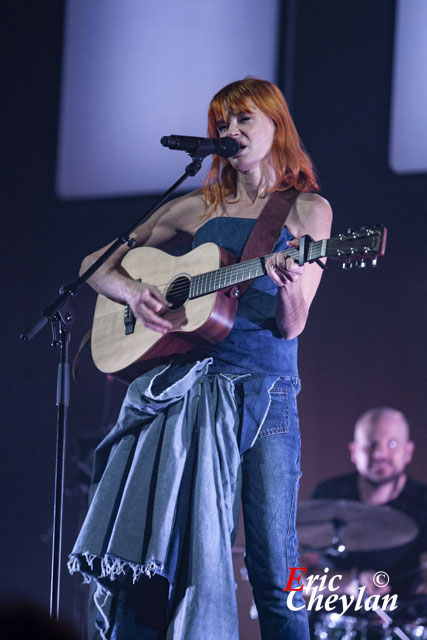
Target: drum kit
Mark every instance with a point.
(337, 527)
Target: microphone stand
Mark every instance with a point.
(60, 315)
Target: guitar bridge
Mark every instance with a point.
(129, 318)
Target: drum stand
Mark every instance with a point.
(388, 621)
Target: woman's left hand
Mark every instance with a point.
(284, 270)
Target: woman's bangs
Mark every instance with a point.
(233, 102)
(239, 104)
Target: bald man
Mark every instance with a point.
(381, 450)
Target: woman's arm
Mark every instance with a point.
(311, 215)
(147, 303)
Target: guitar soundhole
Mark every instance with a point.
(177, 292)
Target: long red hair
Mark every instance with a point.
(292, 165)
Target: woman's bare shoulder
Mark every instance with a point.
(310, 214)
(177, 217)
(185, 212)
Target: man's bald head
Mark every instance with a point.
(369, 420)
(381, 448)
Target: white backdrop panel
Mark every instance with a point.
(135, 70)
(408, 135)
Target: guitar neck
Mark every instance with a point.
(225, 277)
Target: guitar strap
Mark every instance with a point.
(266, 231)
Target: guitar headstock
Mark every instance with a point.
(358, 246)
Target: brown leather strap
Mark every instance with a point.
(267, 229)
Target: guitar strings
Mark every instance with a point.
(211, 280)
(242, 270)
(239, 269)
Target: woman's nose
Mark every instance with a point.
(233, 129)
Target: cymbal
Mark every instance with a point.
(358, 526)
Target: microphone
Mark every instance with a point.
(202, 147)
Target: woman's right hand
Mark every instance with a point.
(148, 306)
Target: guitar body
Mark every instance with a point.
(209, 317)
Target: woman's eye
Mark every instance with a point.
(244, 118)
(222, 127)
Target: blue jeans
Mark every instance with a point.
(270, 475)
(270, 480)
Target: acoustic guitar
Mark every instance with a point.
(202, 290)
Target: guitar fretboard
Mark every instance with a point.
(225, 277)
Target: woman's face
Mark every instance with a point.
(254, 131)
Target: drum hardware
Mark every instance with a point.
(337, 547)
(411, 616)
(409, 623)
(337, 527)
(332, 626)
(387, 620)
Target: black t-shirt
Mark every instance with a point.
(400, 563)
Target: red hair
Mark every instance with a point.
(292, 165)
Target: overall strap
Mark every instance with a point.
(267, 229)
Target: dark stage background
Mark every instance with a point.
(364, 344)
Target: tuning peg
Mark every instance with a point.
(347, 264)
(374, 262)
(361, 264)
(350, 231)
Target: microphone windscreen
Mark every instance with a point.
(229, 147)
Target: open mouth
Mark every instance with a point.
(241, 148)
